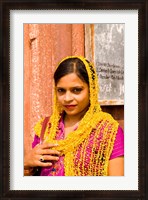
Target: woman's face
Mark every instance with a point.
(73, 95)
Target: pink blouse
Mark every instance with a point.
(57, 169)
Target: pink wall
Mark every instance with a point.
(44, 46)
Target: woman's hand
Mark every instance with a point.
(41, 155)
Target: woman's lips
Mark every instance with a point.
(70, 106)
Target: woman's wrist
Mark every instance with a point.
(28, 171)
(27, 168)
(27, 165)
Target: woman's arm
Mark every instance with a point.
(116, 167)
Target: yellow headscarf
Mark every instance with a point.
(93, 118)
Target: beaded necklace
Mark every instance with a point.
(99, 124)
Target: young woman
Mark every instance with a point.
(79, 139)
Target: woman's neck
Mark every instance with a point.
(74, 119)
(71, 120)
(70, 124)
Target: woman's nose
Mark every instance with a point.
(68, 96)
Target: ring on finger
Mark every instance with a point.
(41, 159)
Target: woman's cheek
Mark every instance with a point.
(60, 99)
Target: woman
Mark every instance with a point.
(79, 139)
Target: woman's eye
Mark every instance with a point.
(60, 90)
(74, 90)
(77, 90)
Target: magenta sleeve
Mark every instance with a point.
(118, 149)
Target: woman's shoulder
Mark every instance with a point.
(107, 117)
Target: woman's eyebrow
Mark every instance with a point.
(58, 87)
(77, 86)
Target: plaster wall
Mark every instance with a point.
(44, 47)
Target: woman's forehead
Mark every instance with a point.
(70, 79)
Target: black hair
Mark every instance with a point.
(71, 65)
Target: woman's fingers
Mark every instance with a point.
(44, 164)
(49, 158)
(46, 149)
(46, 160)
(43, 155)
(47, 145)
(49, 152)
